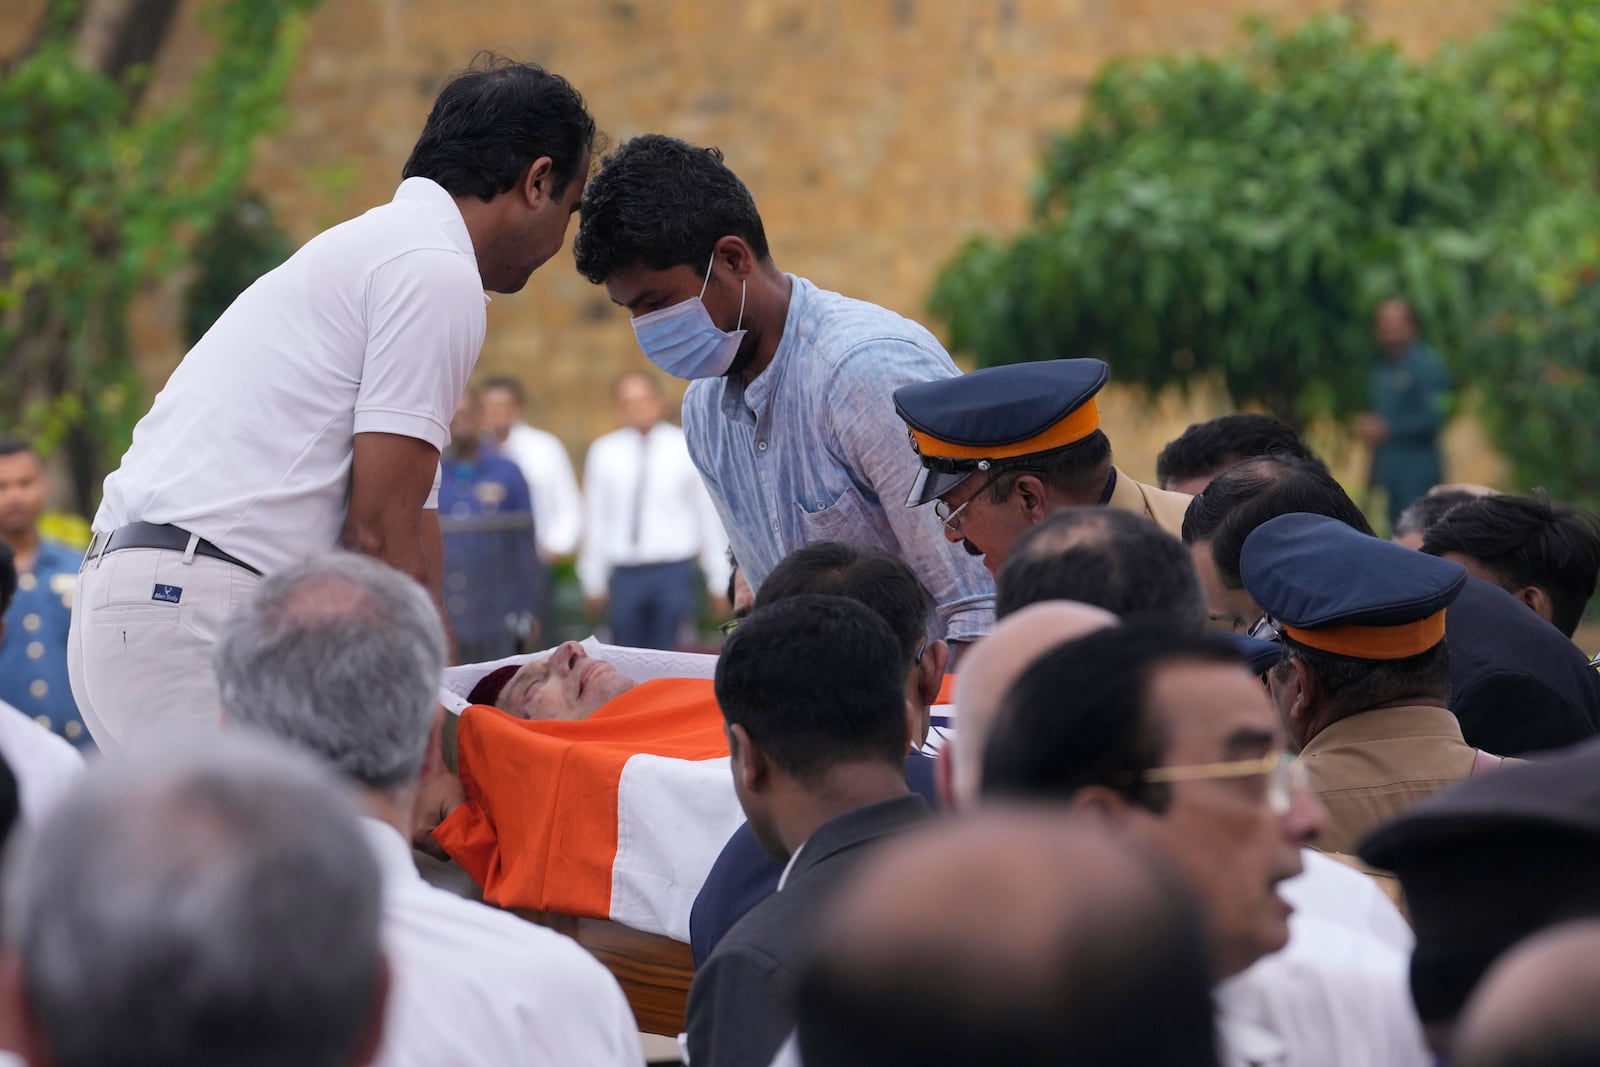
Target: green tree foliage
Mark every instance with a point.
(100, 195)
(1241, 216)
(1536, 341)
(243, 244)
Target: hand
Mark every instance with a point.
(1372, 429)
(595, 607)
(440, 794)
(717, 607)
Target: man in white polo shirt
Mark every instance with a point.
(312, 414)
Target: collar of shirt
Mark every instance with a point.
(754, 396)
(1244, 1044)
(1385, 724)
(441, 208)
(391, 851)
(783, 879)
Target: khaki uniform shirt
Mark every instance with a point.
(1167, 509)
(1369, 768)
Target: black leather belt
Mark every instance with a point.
(150, 535)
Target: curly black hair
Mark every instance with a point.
(662, 202)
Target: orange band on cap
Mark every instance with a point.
(1075, 427)
(1374, 642)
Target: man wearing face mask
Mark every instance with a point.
(790, 419)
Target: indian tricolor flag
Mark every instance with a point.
(618, 816)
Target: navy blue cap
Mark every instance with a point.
(962, 425)
(1332, 587)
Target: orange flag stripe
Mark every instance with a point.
(539, 826)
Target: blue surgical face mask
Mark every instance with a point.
(683, 341)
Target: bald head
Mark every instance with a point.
(1536, 1006)
(1032, 939)
(990, 668)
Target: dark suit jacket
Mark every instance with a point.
(1517, 684)
(739, 1011)
(744, 875)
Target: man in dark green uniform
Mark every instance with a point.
(1409, 390)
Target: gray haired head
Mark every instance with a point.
(340, 655)
(199, 907)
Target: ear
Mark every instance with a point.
(1306, 689)
(1032, 497)
(736, 256)
(931, 671)
(1539, 600)
(370, 1045)
(538, 181)
(750, 764)
(1099, 802)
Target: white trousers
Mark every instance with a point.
(144, 621)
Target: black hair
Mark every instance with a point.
(662, 202)
(14, 446)
(1527, 540)
(8, 577)
(1207, 448)
(492, 120)
(508, 385)
(1419, 515)
(816, 681)
(1352, 685)
(733, 576)
(1107, 557)
(882, 581)
(10, 802)
(1249, 493)
(1079, 715)
(1078, 471)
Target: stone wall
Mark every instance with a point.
(875, 134)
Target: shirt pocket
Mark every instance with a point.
(848, 517)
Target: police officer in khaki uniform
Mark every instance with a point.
(1363, 684)
(1004, 447)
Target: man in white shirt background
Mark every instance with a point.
(313, 412)
(647, 520)
(341, 657)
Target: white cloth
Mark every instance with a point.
(1330, 891)
(140, 665)
(1334, 997)
(476, 986)
(677, 520)
(557, 507)
(44, 765)
(372, 327)
(640, 664)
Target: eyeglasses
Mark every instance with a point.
(1284, 774)
(952, 519)
(728, 627)
(1265, 629)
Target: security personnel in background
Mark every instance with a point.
(493, 577)
(33, 649)
(1004, 447)
(1364, 682)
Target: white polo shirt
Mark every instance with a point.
(372, 326)
(474, 986)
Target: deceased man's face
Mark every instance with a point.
(567, 684)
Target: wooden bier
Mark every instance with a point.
(654, 971)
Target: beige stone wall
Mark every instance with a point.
(875, 134)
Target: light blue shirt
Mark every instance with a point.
(812, 450)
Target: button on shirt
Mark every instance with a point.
(475, 986)
(557, 508)
(33, 651)
(644, 502)
(812, 450)
(372, 327)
